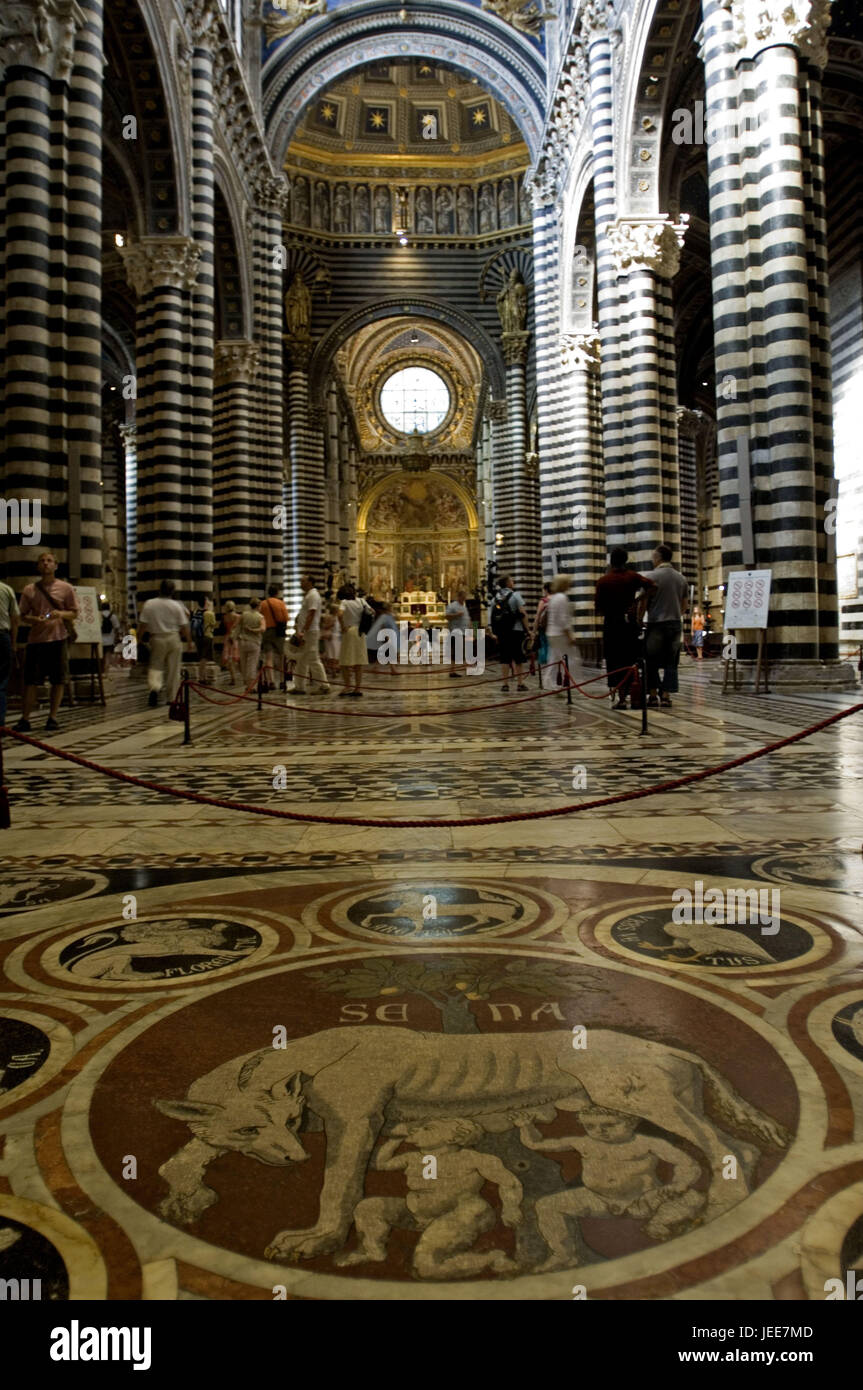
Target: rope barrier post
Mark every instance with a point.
(5, 814)
(260, 687)
(568, 680)
(187, 710)
(642, 675)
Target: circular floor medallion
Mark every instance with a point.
(460, 1058)
(651, 933)
(23, 890)
(157, 950)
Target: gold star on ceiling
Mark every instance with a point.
(328, 113)
(378, 120)
(479, 116)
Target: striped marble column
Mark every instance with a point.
(690, 424)
(572, 502)
(515, 481)
(348, 492)
(331, 470)
(129, 436)
(50, 297)
(204, 26)
(266, 460)
(646, 253)
(238, 561)
(307, 512)
(615, 391)
(772, 353)
(174, 533)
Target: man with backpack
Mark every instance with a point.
(507, 621)
(275, 616)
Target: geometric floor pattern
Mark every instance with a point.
(243, 1059)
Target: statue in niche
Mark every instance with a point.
(444, 207)
(362, 209)
(464, 209)
(298, 307)
(506, 203)
(341, 208)
(382, 211)
(322, 206)
(512, 304)
(487, 209)
(300, 202)
(525, 212)
(424, 211)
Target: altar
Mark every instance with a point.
(420, 605)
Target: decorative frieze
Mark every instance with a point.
(40, 34)
(647, 244)
(496, 411)
(800, 24)
(156, 262)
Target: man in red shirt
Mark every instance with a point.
(615, 596)
(47, 606)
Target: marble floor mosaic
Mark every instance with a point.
(243, 1058)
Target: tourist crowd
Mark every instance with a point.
(345, 635)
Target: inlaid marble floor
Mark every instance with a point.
(246, 1058)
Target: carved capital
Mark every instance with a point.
(161, 262)
(236, 359)
(800, 24)
(579, 351)
(647, 244)
(541, 191)
(317, 417)
(515, 348)
(690, 423)
(272, 193)
(202, 18)
(497, 411)
(299, 349)
(129, 436)
(597, 19)
(40, 34)
(531, 465)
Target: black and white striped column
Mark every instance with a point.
(174, 522)
(204, 25)
(266, 462)
(646, 253)
(307, 511)
(768, 254)
(239, 564)
(572, 500)
(50, 266)
(515, 481)
(616, 462)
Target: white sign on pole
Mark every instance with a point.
(747, 600)
(88, 624)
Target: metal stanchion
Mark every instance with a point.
(568, 682)
(260, 687)
(642, 672)
(187, 710)
(5, 814)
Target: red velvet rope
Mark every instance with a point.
(305, 817)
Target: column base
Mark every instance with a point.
(785, 675)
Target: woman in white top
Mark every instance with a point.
(558, 627)
(353, 656)
(250, 630)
